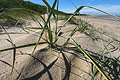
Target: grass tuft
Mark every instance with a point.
(100, 65)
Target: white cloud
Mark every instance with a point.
(88, 3)
(113, 9)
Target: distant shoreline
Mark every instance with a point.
(105, 17)
(108, 18)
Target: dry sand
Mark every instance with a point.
(50, 64)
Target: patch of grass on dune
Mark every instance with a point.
(102, 66)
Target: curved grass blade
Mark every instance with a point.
(104, 12)
(91, 59)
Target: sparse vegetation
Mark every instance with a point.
(102, 64)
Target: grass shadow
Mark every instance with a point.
(39, 58)
(8, 65)
(46, 69)
(113, 70)
(68, 68)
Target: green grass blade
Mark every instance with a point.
(9, 41)
(56, 28)
(46, 40)
(73, 15)
(36, 28)
(72, 33)
(91, 59)
(50, 35)
(104, 12)
(57, 37)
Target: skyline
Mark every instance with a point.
(110, 6)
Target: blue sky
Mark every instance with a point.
(111, 6)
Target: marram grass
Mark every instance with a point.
(52, 41)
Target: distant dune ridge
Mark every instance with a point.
(24, 4)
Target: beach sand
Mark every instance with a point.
(68, 65)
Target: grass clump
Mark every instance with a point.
(98, 63)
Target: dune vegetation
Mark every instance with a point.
(103, 65)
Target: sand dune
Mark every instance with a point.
(46, 63)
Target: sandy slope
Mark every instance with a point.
(50, 64)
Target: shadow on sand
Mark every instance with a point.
(113, 71)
